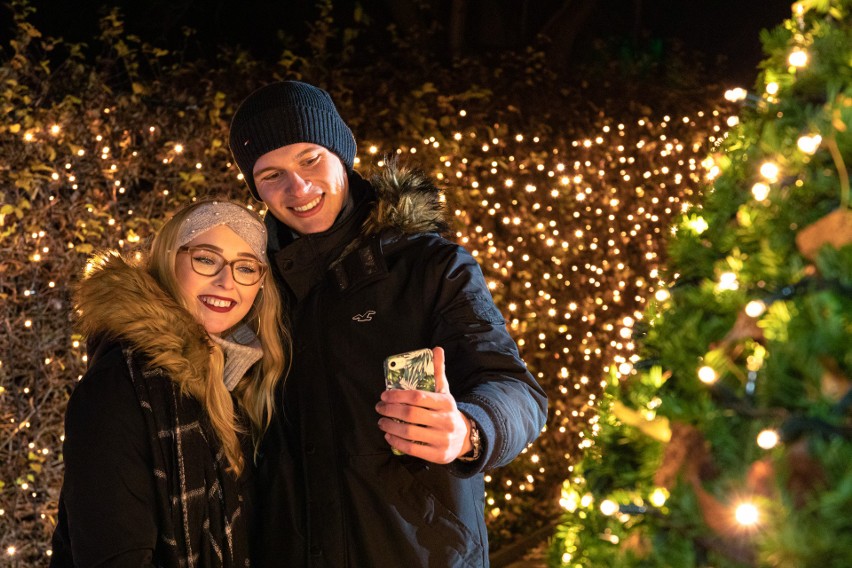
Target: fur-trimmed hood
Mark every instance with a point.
(406, 201)
(118, 300)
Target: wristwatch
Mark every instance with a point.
(475, 441)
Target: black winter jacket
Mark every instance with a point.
(383, 281)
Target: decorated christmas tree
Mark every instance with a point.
(725, 440)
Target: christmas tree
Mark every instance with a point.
(725, 440)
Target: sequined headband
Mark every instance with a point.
(235, 217)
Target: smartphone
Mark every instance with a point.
(412, 370)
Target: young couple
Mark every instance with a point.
(206, 432)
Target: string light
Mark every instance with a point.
(735, 95)
(707, 375)
(609, 507)
(755, 308)
(770, 171)
(809, 144)
(798, 58)
(767, 439)
(747, 514)
(760, 191)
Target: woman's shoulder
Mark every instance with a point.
(105, 393)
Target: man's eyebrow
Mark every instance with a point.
(298, 156)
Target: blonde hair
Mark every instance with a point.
(255, 392)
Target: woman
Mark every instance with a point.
(185, 351)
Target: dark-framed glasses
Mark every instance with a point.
(246, 271)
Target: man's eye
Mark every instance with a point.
(312, 160)
(271, 177)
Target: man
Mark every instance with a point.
(365, 274)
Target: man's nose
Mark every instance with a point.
(296, 184)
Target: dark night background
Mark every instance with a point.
(725, 31)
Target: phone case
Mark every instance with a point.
(413, 370)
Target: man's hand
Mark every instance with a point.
(432, 427)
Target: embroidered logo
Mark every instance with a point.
(366, 316)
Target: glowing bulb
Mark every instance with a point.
(760, 191)
(707, 375)
(772, 88)
(733, 121)
(662, 295)
(768, 439)
(798, 58)
(658, 497)
(755, 308)
(178, 148)
(736, 94)
(608, 507)
(770, 171)
(698, 225)
(727, 281)
(809, 144)
(747, 514)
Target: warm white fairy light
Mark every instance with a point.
(747, 514)
(760, 191)
(798, 58)
(755, 308)
(608, 507)
(736, 94)
(768, 439)
(727, 281)
(770, 171)
(809, 144)
(658, 497)
(707, 375)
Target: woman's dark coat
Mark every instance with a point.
(135, 444)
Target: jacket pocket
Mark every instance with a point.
(404, 522)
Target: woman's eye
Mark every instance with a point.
(312, 160)
(271, 177)
(204, 259)
(247, 268)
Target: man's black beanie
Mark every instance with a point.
(286, 113)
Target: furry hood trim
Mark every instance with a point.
(117, 299)
(407, 201)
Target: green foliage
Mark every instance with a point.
(759, 308)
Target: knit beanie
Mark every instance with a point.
(286, 113)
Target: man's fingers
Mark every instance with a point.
(441, 384)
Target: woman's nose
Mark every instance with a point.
(225, 278)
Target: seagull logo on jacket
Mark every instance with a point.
(366, 316)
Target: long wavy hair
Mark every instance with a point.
(255, 392)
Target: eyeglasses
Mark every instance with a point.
(246, 271)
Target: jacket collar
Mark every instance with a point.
(397, 202)
(118, 299)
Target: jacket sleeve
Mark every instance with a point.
(108, 490)
(490, 382)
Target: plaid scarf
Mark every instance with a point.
(198, 502)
